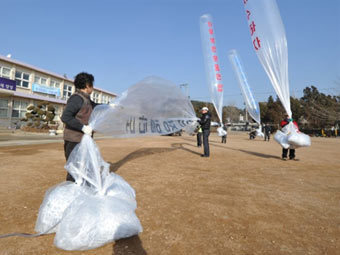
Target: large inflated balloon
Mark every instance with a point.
(269, 42)
(251, 105)
(153, 106)
(211, 61)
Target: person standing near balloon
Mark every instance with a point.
(224, 137)
(284, 123)
(205, 123)
(77, 113)
(199, 137)
(267, 131)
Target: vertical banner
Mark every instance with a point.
(268, 39)
(212, 67)
(251, 105)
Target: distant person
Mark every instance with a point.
(205, 123)
(199, 137)
(333, 131)
(77, 113)
(224, 137)
(284, 123)
(267, 131)
(252, 133)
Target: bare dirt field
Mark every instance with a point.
(242, 200)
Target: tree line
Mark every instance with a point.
(314, 110)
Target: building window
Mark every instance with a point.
(5, 72)
(22, 79)
(40, 80)
(95, 97)
(54, 84)
(67, 91)
(105, 99)
(19, 108)
(3, 108)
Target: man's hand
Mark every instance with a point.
(87, 130)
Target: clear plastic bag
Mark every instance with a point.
(281, 138)
(100, 206)
(55, 202)
(291, 138)
(94, 220)
(298, 139)
(259, 132)
(221, 131)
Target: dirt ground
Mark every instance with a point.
(242, 200)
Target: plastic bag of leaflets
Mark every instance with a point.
(98, 208)
(291, 138)
(221, 131)
(259, 132)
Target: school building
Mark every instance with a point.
(22, 85)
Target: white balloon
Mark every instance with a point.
(252, 106)
(212, 67)
(269, 42)
(151, 107)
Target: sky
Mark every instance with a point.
(123, 41)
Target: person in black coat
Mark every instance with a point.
(205, 123)
(267, 130)
(224, 137)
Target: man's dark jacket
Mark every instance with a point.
(205, 121)
(267, 129)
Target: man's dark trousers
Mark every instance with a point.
(68, 148)
(206, 134)
(291, 153)
(266, 136)
(199, 139)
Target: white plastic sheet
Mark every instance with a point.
(153, 106)
(251, 105)
(55, 202)
(221, 131)
(211, 61)
(291, 138)
(259, 132)
(269, 42)
(100, 206)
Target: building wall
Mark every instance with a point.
(30, 82)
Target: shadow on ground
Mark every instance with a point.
(143, 152)
(129, 246)
(219, 145)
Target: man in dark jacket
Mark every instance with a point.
(205, 125)
(284, 123)
(77, 113)
(267, 131)
(224, 137)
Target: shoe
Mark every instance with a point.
(284, 159)
(204, 156)
(292, 158)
